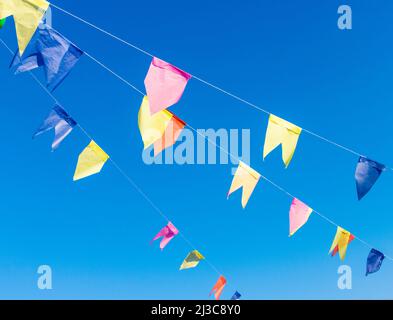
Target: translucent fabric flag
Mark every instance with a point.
(54, 53)
(374, 261)
(284, 133)
(367, 173)
(27, 16)
(340, 242)
(59, 120)
(298, 215)
(192, 260)
(246, 178)
(167, 234)
(219, 287)
(91, 161)
(161, 129)
(164, 84)
(2, 22)
(236, 296)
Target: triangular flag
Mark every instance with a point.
(246, 178)
(192, 260)
(367, 173)
(27, 16)
(59, 120)
(340, 242)
(236, 296)
(298, 215)
(90, 161)
(164, 84)
(374, 261)
(170, 136)
(54, 53)
(167, 234)
(2, 22)
(280, 131)
(218, 287)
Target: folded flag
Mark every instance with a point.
(367, 173)
(161, 129)
(236, 296)
(164, 84)
(340, 242)
(54, 53)
(27, 16)
(284, 133)
(90, 161)
(2, 22)
(192, 260)
(298, 215)
(167, 234)
(59, 120)
(374, 261)
(218, 287)
(246, 178)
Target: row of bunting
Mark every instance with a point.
(159, 127)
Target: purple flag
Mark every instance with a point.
(367, 173)
(374, 261)
(51, 51)
(59, 120)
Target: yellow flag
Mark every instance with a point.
(90, 161)
(340, 242)
(27, 16)
(192, 260)
(152, 127)
(246, 178)
(280, 131)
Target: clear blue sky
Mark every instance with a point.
(288, 56)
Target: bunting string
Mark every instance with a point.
(236, 97)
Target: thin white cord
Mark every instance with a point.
(204, 81)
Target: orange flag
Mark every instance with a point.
(170, 136)
(218, 287)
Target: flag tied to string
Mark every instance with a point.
(284, 133)
(2, 22)
(246, 178)
(192, 260)
(340, 242)
(51, 51)
(90, 161)
(167, 234)
(161, 129)
(218, 287)
(366, 175)
(374, 261)
(236, 296)
(164, 84)
(27, 16)
(59, 120)
(298, 215)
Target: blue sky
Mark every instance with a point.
(287, 57)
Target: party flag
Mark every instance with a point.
(236, 296)
(167, 234)
(374, 261)
(2, 22)
(192, 260)
(90, 161)
(164, 84)
(340, 242)
(27, 16)
(246, 178)
(280, 131)
(170, 136)
(367, 173)
(298, 215)
(54, 53)
(59, 120)
(218, 287)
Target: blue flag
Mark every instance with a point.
(367, 173)
(51, 51)
(374, 261)
(59, 120)
(236, 296)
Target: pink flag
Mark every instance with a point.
(164, 84)
(167, 233)
(298, 215)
